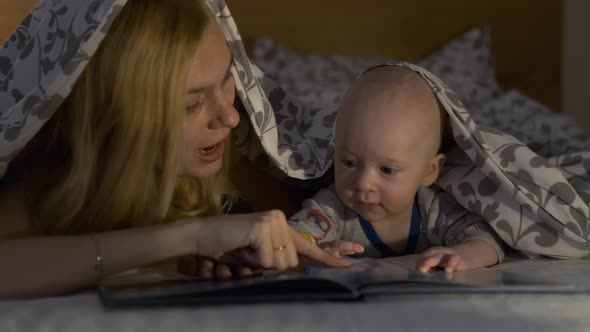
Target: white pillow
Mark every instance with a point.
(464, 64)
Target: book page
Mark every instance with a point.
(394, 276)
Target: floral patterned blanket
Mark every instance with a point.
(538, 205)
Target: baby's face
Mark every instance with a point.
(381, 159)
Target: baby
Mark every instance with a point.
(388, 154)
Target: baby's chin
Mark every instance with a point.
(373, 214)
(372, 219)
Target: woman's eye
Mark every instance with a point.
(227, 77)
(193, 107)
(386, 170)
(348, 163)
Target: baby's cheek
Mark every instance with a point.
(348, 201)
(398, 199)
(342, 191)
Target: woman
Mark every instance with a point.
(132, 168)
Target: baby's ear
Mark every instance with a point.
(434, 169)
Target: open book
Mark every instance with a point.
(362, 280)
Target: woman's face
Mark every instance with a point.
(209, 99)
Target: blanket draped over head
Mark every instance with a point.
(536, 205)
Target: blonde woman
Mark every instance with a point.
(132, 167)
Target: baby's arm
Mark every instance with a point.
(319, 223)
(466, 241)
(470, 254)
(341, 248)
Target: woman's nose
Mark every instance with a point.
(224, 113)
(226, 116)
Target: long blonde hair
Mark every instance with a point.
(111, 151)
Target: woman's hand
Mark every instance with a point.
(226, 267)
(265, 240)
(265, 234)
(239, 245)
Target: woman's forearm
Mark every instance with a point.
(42, 266)
(33, 267)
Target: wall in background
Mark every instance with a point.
(576, 61)
(527, 35)
(11, 14)
(562, 88)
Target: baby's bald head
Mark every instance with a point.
(394, 98)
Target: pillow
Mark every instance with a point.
(464, 64)
(545, 132)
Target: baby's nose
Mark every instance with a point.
(364, 182)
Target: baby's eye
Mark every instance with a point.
(348, 163)
(386, 170)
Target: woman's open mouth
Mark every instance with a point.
(212, 153)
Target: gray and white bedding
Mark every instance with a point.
(524, 169)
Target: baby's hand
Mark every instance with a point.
(442, 257)
(341, 248)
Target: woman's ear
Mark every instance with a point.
(434, 169)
